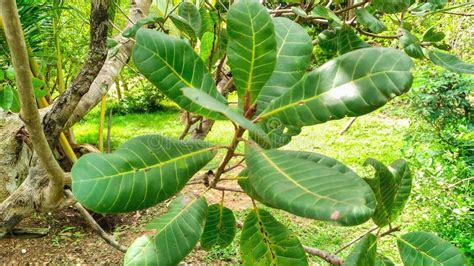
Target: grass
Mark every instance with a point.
(377, 135)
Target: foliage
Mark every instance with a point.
(138, 99)
(150, 169)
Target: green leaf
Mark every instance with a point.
(142, 172)
(403, 181)
(2, 75)
(340, 40)
(384, 187)
(10, 73)
(433, 36)
(212, 104)
(265, 241)
(353, 84)
(188, 19)
(450, 62)
(244, 183)
(363, 253)
(177, 232)
(411, 44)
(298, 11)
(220, 227)
(208, 20)
(309, 188)
(16, 105)
(294, 51)
(325, 13)
(132, 31)
(381, 260)
(391, 6)
(422, 248)
(6, 97)
(213, 47)
(251, 49)
(171, 64)
(365, 18)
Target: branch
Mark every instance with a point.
(55, 120)
(348, 125)
(29, 110)
(351, 7)
(378, 36)
(112, 66)
(90, 220)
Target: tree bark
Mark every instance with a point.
(112, 66)
(29, 110)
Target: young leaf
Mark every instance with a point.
(293, 57)
(353, 84)
(363, 253)
(384, 187)
(411, 44)
(251, 49)
(212, 104)
(391, 6)
(220, 227)
(265, 241)
(403, 181)
(171, 64)
(6, 97)
(450, 62)
(323, 12)
(177, 232)
(142, 172)
(422, 248)
(309, 188)
(365, 18)
(433, 36)
(340, 40)
(188, 19)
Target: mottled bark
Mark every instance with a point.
(112, 66)
(63, 107)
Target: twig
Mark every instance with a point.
(90, 220)
(354, 240)
(351, 7)
(459, 14)
(222, 188)
(460, 181)
(378, 36)
(348, 125)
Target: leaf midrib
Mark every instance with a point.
(284, 107)
(297, 184)
(419, 250)
(147, 167)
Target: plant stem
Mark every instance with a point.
(29, 110)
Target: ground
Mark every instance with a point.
(70, 240)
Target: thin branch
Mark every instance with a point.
(328, 257)
(459, 14)
(349, 124)
(90, 220)
(378, 36)
(337, 12)
(460, 181)
(355, 240)
(29, 110)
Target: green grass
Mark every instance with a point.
(377, 135)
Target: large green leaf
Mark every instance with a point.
(265, 241)
(384, 187)
(251, 49)
(294, 51)
(364, 253)
(340, 40)
(353, 84)
(171, 64)
(450, 62)
(220, 227)
(365, 18)
(411, 44)
(174, 234)
(381, 260)
(140, 173)
(391, 6)
(321, 11)
(422, 248)
(204, 99)
(317, 189)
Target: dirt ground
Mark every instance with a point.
(71, 241)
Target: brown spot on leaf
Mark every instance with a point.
(335, 215)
